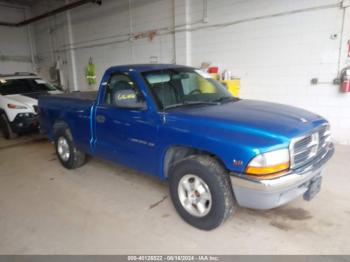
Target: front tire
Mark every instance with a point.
(6, 129)
(201, 192)
(69, 156)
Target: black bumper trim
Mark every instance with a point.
(25, 123)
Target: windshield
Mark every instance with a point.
(183, 86)
(24, 86)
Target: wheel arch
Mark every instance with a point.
(58, 124)
(175, 153)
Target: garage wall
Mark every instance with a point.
(103, 33)
(14, 57)
(276, 46)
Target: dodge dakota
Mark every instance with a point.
(216, 151)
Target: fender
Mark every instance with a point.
(175, 153)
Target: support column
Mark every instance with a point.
(72, 67)
(182, 39)
(31, 42)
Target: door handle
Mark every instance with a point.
(100, 119)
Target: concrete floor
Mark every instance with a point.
(103, 208)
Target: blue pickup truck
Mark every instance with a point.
(216, 151)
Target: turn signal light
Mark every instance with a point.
(271, 163)
(252, 170)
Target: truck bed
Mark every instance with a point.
(74, 109)
(88, 95)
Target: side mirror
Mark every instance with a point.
(128, 99)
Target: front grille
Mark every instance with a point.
(304, 149)
(36, 109)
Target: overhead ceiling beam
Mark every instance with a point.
(51, 13)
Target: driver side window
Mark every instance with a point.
(117, 83)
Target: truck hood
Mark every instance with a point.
(272, 119)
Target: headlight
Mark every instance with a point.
(13, 106)
(269, 163)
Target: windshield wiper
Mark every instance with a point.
(226, 99)
(189, 103)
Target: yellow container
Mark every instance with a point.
(215, 76)
(232, 86)
(205, 87)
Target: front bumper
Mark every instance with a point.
(23, 123)
(271, 193)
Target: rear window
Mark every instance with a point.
(24, 86)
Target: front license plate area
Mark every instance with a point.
(314, 188)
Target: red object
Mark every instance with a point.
(11, 106)
(345, 85)
(213, 70)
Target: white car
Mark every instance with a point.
(19, 104)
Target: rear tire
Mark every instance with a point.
(201, 192)
(69, 156)
(6, 129)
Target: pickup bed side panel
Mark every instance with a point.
(74, 112)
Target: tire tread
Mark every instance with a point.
(224, 183)
(214, 168)
(5, 124)
(78, 157)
